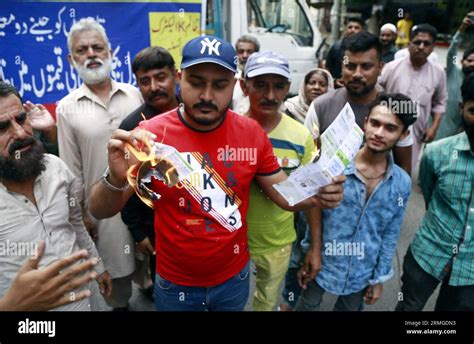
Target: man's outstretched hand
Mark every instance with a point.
(41, 289)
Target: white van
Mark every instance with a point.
(282, 26)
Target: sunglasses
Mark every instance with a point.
(420, 42)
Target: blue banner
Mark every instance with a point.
(33, 41)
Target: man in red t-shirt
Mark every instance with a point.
(201, 232)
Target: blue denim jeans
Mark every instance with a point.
(311, 298)
(231, 295)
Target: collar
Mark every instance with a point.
(427, 63)
(351, 169)
(462, 142)
(85, 92)
(38, 179)
(148, 111)
(391, 50)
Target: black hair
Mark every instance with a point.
(362, 42)
(425, 28)
(467, 52)
(319, 72)
(6, 89)
(151, 58)
(400, 105)
(357, 20)
(467, 88)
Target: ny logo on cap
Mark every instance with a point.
(212, 46)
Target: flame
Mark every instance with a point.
(168, 173)
(141, 155)
(147, 160)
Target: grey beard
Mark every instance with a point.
(94, 76)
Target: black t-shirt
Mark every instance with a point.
(132, 120)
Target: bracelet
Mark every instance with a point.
(109, 186)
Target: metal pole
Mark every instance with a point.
(335, 19)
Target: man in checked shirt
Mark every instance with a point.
(443, 248)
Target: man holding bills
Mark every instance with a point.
(360, 236)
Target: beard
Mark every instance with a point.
(29, 164)
(467, 70)
(364, 90)
(94, 76)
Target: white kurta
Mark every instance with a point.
(55, 219)
(85, 124)
(426, 86)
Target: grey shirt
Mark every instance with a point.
(56, 219)
(324, 110)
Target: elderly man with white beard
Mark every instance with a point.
(86, 118)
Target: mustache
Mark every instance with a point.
(269, 103)
(90, 61)
(357, 82)
(206, 105)
(19, 144)
(158, 94)
(421, 51)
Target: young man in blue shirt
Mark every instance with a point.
(360, 236)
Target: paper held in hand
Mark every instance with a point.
(339, 145)
(163, 162)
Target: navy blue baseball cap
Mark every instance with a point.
(209, 49)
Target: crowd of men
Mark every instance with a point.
(65, 184)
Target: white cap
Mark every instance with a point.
(390, 27)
